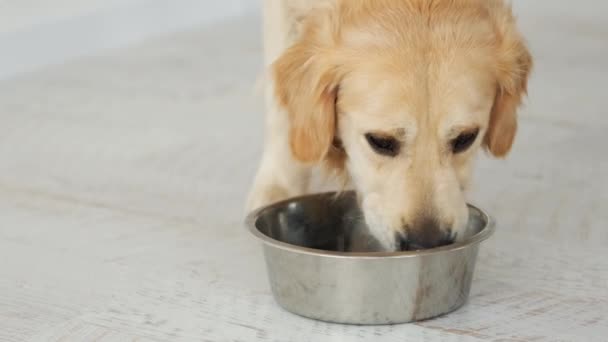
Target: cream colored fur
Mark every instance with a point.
(420, 72)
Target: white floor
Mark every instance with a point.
(122, 179)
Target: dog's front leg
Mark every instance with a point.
(279, 175)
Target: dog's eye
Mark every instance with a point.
(383, 145)
(464, 141)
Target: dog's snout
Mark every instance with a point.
(426, 233)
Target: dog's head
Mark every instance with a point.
(402, 95)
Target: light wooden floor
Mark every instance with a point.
(122, 179)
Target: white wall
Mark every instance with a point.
(35, 33)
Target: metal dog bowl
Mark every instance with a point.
(321, 264)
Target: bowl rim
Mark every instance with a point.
(251, 220)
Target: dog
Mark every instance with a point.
(398, 97)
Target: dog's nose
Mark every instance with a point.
(427, 233)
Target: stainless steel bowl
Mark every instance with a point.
(323, 264)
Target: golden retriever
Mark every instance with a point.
(399, 95)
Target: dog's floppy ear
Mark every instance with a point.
(306, 85)
(513, 68)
